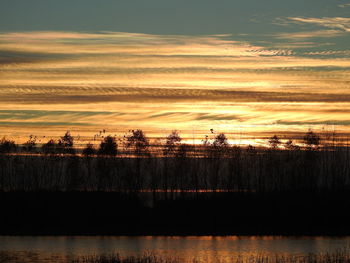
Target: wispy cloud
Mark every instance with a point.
(342, 23)
(110, 43)
(128, 80)
(310, 34)
(344, 5)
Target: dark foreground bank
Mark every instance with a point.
(337, 257)
(341, 256)
(111, 213)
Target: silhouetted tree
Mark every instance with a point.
(138, 141)
(50, 147)
(220, 145)
(88, 150)
(251, 150)
(172, 140)
(66, 143)
(274, 141)
(220, 141)
(7, 146)
(108, 146)
(184, 151)
(30, 145)
(289, 145)
(311, 139)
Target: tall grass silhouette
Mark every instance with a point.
(173, 166)
(335, 257)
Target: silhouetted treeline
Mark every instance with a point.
(213, 166)
(137, 144)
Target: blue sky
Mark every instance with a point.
(162, 16)
(255, 21)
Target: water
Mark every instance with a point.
(206, 249)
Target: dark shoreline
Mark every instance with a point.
(111, 213)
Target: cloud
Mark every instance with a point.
(310, 34)
(148, 95)
(342, 23)
(344, 5)
(155, 82)
(329, 53)
(108, 43)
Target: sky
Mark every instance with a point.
(247, 68)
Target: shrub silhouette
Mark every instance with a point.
(66, 142)
(30, 145)
(7, 146)
(138, 141)
(184, 151)
(251, 150)
(108, 146)
(220, 141)
(311, 139)
(217, 148)
(274, 141)
(289, 145)
(172, 141)
(50, 147)
(88, 150)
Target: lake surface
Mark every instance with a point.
(205, 249)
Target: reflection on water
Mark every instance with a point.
(205, 249)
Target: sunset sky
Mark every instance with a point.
(247, 68)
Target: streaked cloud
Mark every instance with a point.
(344, 5)
(54, 81)
(342, 23)
(311, 34)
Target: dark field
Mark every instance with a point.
(341, 256)
(110, 213)
(338, 257)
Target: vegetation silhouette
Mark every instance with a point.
(174, 187)
(50, 147)
(66, 143)
(137, 141)
(89, 150)
(108, 146)
(174, 166)
(312, 140)
(274, 141)
(340, 256)
(7, 146)
(30, 145)
(172, 142)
